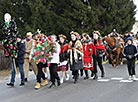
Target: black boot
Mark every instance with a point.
(81, 72)
(26, 80)
(92, 73)
(52, 85)
(58, 82)
(86, 73)
(10, 84)
(22, 83)
(85, 78)
(75, 81)
(102, 75)
(76, 78)
(95, 76)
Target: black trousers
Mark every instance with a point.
(40, 73)
(97, 60)
(86, 73)
(75, 74)
(81, 72)
(53, 72)
(131, 67)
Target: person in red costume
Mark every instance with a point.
(88, 50)
(100, 49)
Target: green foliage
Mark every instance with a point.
(63, 16)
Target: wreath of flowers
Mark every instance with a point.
(43, 49)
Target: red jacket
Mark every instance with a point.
(63, 48)
(99, 45)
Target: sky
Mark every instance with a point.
(136, 3)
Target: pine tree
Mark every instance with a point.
(114, 14)
(63, 16)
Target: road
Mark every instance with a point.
(113, 88)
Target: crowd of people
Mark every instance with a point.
(80, 55)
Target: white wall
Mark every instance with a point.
(135, 27)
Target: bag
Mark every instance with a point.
(100, 53)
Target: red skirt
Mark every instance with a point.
(62, 68)
(88, 66)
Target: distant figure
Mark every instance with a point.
(130, 52)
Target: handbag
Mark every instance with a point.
(100, 53)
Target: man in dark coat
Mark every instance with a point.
(19, 61)
(130, 52)
(126, 35)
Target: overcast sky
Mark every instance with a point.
(136, 3)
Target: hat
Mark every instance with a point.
(126, 32)
(85, 34)
(74, 33)
(96, 32)
(29, 34)
(129, 38)
(63, 36)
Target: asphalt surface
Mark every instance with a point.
(115, 87)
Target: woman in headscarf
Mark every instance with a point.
(76, 56)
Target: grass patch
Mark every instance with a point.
(4, 73)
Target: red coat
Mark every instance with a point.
(63, 48)
(63, 52)
(88, 50)
(99, 45)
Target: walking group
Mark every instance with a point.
(44, 52)
(40, 52)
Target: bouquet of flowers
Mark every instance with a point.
(43, 49)
(10, 43)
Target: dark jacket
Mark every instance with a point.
(63, 52)
(21, 52)
(130, 52)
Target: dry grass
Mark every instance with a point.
(4, 73)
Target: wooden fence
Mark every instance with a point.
(5, 63)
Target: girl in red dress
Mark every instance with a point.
(63, 57)
(88, 50)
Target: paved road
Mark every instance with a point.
(113, 88)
